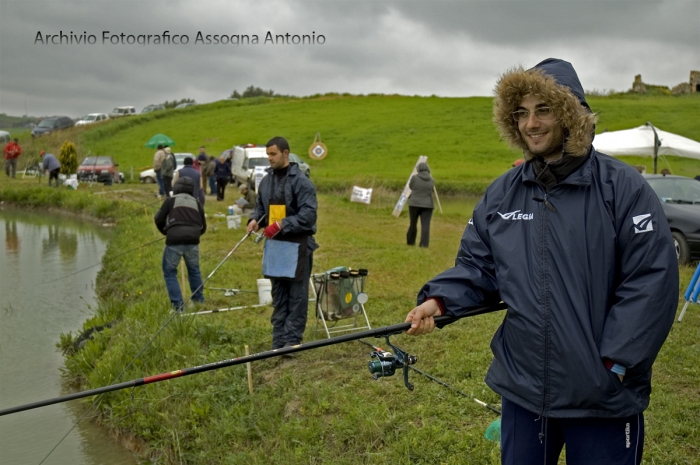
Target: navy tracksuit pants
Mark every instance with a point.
(290, 300)
(529, 439)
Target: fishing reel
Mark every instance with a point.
(257, 236)
(385, 363)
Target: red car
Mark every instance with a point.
(100, 169)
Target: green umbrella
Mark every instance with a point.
(159, 139)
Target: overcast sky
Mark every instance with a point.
(447, 48)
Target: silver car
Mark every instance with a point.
(303, 166)
(149, 176)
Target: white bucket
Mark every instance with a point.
(265, 291)
(233, 221)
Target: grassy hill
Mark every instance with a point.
(372, 140)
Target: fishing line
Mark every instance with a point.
(172, 315)
(119, 255)
(386, 364)
(111, 258)
(442, 383)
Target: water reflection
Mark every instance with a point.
(11, 237)
(35, 307)
(65, 241)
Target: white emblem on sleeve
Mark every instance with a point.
(516, 216)
(642, 223)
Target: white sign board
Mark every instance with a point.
(407, 190)
(361, 195)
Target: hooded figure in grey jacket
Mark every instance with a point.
(420, 205)
(576, 244)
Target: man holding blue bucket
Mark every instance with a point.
(286, 209)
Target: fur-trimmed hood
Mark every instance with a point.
(556, 83)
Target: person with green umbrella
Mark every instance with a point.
(168, 170)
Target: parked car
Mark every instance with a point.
(100, 169)
(680, 200)
(303, 166)
(4, 138)
(151, 108)
(122, 111)
(92, 118)
(149, 176)
(185, 105)
(53, 123)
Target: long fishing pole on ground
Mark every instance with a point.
(167, 322)
(378, 332)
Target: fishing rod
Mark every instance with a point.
(378, 332)
(222, 310)
(228, 292)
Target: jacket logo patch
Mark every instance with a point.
(516, 215)
(642, 223)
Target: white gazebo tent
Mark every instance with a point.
(646, 141)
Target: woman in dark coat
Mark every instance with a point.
(420, 204)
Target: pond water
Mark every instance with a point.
(44, 291)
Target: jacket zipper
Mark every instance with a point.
(548, 205)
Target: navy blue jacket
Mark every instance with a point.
(596, 279)
(222, 170)
(188, 171)
(590, 275)
(300, 200)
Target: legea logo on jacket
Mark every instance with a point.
(642, 223)
(516, 215)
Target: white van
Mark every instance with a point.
(244, 160)
(122, 111)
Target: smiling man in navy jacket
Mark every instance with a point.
(578, 247)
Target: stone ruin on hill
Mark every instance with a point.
(690, 87)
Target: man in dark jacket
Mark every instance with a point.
(181, 219)
(420, 205)
(222, 172)
(578, 247)
(189, 171)
(286, 208)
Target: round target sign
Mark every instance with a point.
(318, 151)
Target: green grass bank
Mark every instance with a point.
(321, 407)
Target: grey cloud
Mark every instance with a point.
(447, 48)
